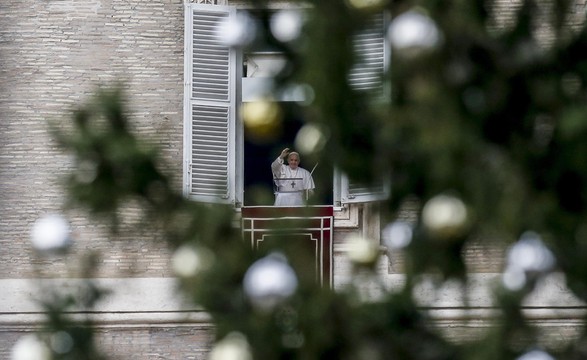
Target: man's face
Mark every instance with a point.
(293, 161)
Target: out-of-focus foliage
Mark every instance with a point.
(486, 122)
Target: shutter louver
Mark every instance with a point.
(358, 190)
(367, 75)
(355, 193)
(210, 127)
(211, 71)
(371, 55)
(211, 106)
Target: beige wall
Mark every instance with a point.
(53, 54)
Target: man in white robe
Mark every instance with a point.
(294, 184)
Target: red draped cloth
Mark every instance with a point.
(307, 228)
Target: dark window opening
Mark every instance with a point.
(258, 179)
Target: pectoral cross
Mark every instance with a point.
(293, 184)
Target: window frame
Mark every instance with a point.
(343, 190)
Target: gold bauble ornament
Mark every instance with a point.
(262, 119)
(445, 217)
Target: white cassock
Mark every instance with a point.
(292, 185)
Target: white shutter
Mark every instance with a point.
(351, 192)
(210, 128)
(354, 193)
(372, 53)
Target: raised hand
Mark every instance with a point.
(284, 153)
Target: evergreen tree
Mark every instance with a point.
(483, 135)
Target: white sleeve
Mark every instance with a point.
(276, 167)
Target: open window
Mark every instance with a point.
(259, 185)
(219, 164)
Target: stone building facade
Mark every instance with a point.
(53, 56)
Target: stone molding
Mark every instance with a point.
(136, 301)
